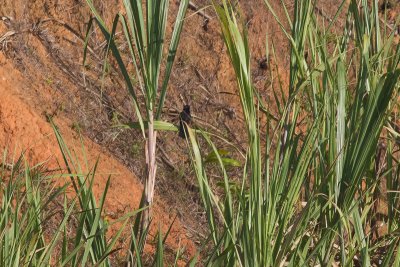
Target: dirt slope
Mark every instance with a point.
(41, 69)
(23, 130)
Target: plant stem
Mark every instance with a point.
(151, 172)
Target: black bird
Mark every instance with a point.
(184, 118)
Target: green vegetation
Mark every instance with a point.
(307, 196)
(36, 217)
(145, 36)
(45, 225)
(301, 201)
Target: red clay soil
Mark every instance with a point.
(41, 72)
(23, 130)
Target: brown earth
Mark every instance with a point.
(23, 130)
(41, 73)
